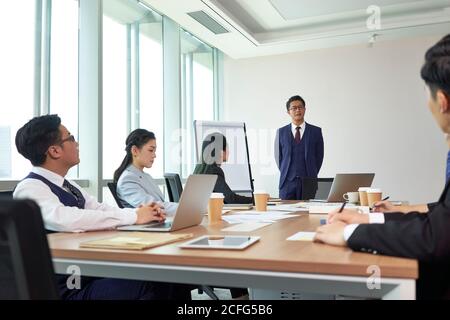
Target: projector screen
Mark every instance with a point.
(237, 169)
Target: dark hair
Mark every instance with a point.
(295, 98)
(211, 143)
(436, 70)
(138, 138)
(36, 136)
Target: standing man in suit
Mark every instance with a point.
(425, 237)
(298, 150)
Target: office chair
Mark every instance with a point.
(26, 269)
(174, 186)
(6, 195)
(113, 188)
(316, 188)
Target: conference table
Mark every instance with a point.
(273, 267)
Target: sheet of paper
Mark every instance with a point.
(328, 209)
(247, 227)
(288, 208)
(302, 236)
(264, 217)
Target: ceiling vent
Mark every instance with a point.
(208, 22)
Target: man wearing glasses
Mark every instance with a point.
(298, 151)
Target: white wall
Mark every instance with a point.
(370, 103)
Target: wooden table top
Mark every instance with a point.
(271, 253)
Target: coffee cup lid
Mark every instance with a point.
(373, 190)
(217, 195)
(363, 188)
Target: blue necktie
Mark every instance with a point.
(76, 193)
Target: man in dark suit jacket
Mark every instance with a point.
(425, 237)
(298, 151)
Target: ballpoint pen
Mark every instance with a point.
(342, 207)
(373, 206)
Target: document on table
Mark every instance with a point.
(328, 209)
(257, 217)
(302, 236)
(247, 227)
(288, 208)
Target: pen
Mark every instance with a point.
(342, 207)
(373, 206)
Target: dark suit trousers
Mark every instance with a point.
(119, 289)
(292, 190)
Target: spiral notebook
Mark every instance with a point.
(135, 240)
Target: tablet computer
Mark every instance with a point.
(220, 242)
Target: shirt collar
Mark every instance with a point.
(294, 127)
(49, 175)
(132, 168)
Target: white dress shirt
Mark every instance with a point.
(57, 217)
(302, 129)
(374, 217)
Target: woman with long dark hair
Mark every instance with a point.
(134, 186)
(214, 153)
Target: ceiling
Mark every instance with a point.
(268, 27)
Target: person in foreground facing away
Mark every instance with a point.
(214, 152)
(65, 207)
(134, 186)
(425, 237)
(298, 151)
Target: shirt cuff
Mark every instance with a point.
(348, 231)
(376, 217)
(130, 216)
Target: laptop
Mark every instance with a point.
(193, 204)
(347, 182)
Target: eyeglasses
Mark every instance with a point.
(298, 108)
(70, 138)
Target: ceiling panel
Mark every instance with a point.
(298, 9)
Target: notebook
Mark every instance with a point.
(135, 240)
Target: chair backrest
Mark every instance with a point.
(26, 269)
(174, 186)
(113, 188)
(316, 188)
(6, 195)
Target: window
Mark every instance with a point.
(64, 65)
(17, 65)
(115, 95)
(151, 108)
(132, 79)
(197, 93)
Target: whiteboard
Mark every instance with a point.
(237, 169)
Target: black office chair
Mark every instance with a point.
(6, 195)
(316, 188)
(113, 188)
(26, 269)
(174, 186)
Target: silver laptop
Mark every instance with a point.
(193, 204)
(347, 182)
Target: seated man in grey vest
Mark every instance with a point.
(65, 207)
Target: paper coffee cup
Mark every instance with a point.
(261, 198)
(363, 196)
(373, 195)
(215, 205)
